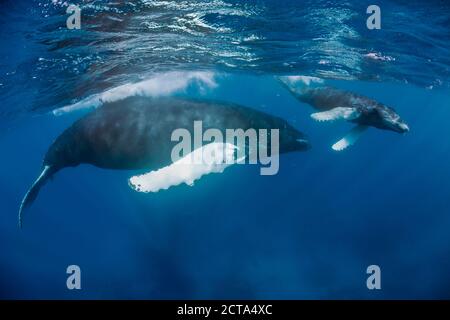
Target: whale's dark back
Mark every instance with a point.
(326, 98)
(136, 132)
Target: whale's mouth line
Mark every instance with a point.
(405, 128)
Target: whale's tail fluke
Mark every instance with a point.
(32, 193)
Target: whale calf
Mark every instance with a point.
(135, 133)
(334, 104)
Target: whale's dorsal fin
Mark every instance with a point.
(350, 138)
(216, 157)
(338, 113)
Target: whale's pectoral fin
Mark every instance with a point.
(211, 158)
(339, 113)
(350, 138)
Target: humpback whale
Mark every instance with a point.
(135, 133)
(334, 104)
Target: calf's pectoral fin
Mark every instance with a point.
(350, 138)
(338, 113)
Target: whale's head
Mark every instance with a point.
(390, 120)
(384, 117)
(291, 139)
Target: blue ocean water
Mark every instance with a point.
(308, 232)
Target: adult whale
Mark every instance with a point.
(135, 133)
(334, 104)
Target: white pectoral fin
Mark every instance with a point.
(211, 158)
(339, 113)
(350, 138)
